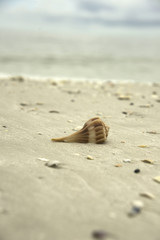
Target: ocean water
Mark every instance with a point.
(120, 55)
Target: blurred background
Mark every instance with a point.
(81, 39)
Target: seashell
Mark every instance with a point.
(93, 131)
(90, 157)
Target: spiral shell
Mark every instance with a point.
(93, 131)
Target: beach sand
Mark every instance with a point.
(81, 196)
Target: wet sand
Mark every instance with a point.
(80, 196)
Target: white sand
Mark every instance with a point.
(69, 203)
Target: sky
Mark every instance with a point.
(81, 12)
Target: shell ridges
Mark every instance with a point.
(93, 131)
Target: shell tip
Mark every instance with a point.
(57, 139)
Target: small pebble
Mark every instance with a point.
(54, 83)
(32, 109)
(154, 96)
(53, 164)
(4, 126)
(43, 159)
(99, 234)
(53, 111)
(136, 208)
(90, 157)
(17, 78)
(76, 154)
(152, 132)
(137, 170)
(70, 121)
(131, 103)
(24, 104)
(143, 146)
(134, 211)
(39, 103)
(118, 165)
(147, 195)
(127, 160)
(74, 92)
(145, 106)
(137, 203)
(124, 97)
(157, 179)
(148, 161)
(124, 113)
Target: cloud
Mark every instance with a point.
(95, 6)
(101, 12)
